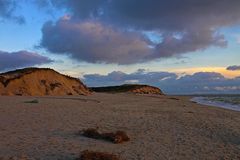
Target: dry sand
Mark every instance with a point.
(159, 127)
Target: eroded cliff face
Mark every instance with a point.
(40, 82)
(130, 88)
(146, 90)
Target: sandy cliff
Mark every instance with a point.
(40, 82)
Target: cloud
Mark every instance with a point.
(228, 88)
(7, 8)
(183, 26)
(94, 42)
(238, 40)
(117, 77)
(171, 15)
(21, 59)
(233, 68)
(170, 83)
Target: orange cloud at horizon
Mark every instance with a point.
(222, 70)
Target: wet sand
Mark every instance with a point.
(160, 127)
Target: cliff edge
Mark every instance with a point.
(40, 82)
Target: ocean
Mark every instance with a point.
(231, 102)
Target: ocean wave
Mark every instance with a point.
(232, 103)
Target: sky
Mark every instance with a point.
(183, 47)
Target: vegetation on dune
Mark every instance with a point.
(133, 88)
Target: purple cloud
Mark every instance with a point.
(170, 83)
(94, 42)
(21, 59)
(233, 68)
(117, 77)
(7, 8)
(183, 26)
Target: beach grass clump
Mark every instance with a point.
(90, 155)
(32, 101)
(117, 137)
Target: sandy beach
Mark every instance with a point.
(159, 127)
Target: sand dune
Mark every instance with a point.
(40, 82)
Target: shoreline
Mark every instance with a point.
(203, 101)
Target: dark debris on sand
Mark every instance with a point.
(90, 155)
(117, 137)
(173, 98)
(23, 157)
(32, 101)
